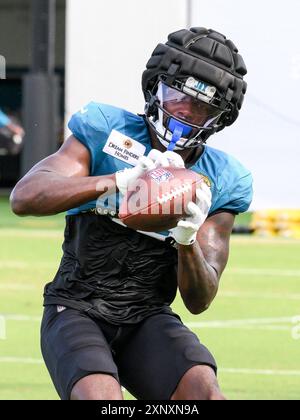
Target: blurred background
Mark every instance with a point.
(58, 55)
(97, 50)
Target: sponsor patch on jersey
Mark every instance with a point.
(124, 148)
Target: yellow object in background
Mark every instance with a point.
(284, 223)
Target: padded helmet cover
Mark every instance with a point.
(205, 55)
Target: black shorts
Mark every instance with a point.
(148, 358)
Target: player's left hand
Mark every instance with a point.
(128, 176)
(167, 159)
(186, 231)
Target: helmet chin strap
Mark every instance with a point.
(179, 130)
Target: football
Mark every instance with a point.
(159, 199)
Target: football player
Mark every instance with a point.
(107, 319)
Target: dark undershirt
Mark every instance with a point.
(113, 272)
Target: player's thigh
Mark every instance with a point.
(73, 347)
(158, 354)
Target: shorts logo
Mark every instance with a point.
(160, 175)
(61, 308)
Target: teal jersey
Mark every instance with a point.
(4, 120)
(117, 138)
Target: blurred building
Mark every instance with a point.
(15, 46)
(108, 43)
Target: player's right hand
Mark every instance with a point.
(167, 159)
(128, 176)
(186, 231)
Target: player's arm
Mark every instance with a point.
(59, 182)
(202, 264)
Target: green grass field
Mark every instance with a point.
(248, 328)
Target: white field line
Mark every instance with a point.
(263, 272)
(2, 328)
(29, 231)
(21, 360)
(12, 286)
(236, 323)
(26, 265)
(58, 233)
(195, 325)
(268, 324)
(240, 327)
(22, 318)
(252, 240)
(36, 233)
(227, 294)
(245, 295)
(15, 264)
(264, 328)
(267, 372)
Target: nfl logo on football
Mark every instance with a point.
(160, 175)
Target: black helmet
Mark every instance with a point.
(204, 56)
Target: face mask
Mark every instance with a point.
(175, 130)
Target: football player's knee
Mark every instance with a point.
(199, 383)
(97, 387)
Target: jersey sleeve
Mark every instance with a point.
(4, 120)
(238, 199)
(90, 126)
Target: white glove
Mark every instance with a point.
(154, 160)
(186, 231)
(167, 159)
(130, 175)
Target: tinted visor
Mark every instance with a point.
(186, 107)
